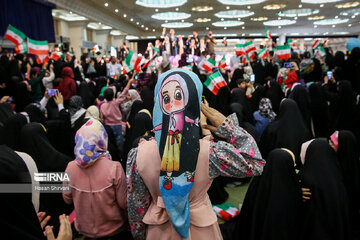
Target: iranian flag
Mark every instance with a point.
(21, 48)
(250, 47)
(283, 52)
(157, 51)
(245, 59)
(56, 55)
(316, 44)
(187, 67)
(126, 69)
(70, 54)
(268, 33)
(321, 52)
(14, 35)
(222, 62)
(39, 48)
(209, 64)
(240, 49)
(133, 60)
(263, 53)
(214, 82)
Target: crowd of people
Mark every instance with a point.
(149, 152)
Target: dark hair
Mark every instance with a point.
(109, 94)
(33, 72)
(307, 54)
(240, 80)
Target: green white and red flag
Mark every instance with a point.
(268, 33)
(222, 62)
(263, 53)
(21, 48)
(322, 52)
(214, 82)
(250, 47)
(133, 60)
(70, 54)
(14, 35)
(240, 49)
(209, 64)
(283, 52)
(316, 44)
(126, 69)
(56, 55)
(39, 48)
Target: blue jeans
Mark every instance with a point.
(117, 130)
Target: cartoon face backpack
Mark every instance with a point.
(176, 119)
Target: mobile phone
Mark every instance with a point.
(10, 99)
(136, 77)
(288, 65)
(190, 60)
(87, 80)
(112, 74)
(52, 92)
(203, 99)
(329, 74)
(252, 77)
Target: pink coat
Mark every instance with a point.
(110, 111)
(203, 221)
(99, 196)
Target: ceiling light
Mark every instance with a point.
(202, 8)
(115, 32)
(279, 22)
(243, 27)
(331, 21)
(243, 34)
(295, 18)
(142, 26)
(99, 23)
(259, 19)
(177, 25)
(137, 23)
(300, 6)
(348, 5)
(336, 16)
(146, 28)
(298, 12)
(349, 25)
(225, 28)
(106, 4)
(254, 34)
(240, 2)
(207, 28)
(70, 12)
(340, 33)
(67, 16)
(227, 7)
(316, 18)
(234, 14)
(182, 20)
(171, 16)
(333, 26)
(274, 6)
(131, 19)
(166, 21)
(353, 16)
(156, 10)
(98, 26)
(355, 12)
(321, 5)
(239, 19)
(279, 26)
(315, 26)
(279, 18)
(202, 20)
(153, 30)
(249, 7)
(160, 3)
(130, 37)
(319, 1)
(228, 23)
(222, 19)
(125, 15)
(176, 9)
(116, 10)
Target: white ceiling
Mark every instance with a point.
(130, 18)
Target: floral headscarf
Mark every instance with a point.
(265, 109)
(91, 142)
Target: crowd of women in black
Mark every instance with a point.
(308, 190)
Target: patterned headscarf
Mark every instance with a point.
(126, 104)
(265, 109)
(91, 142)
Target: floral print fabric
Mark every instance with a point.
(90, 143)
